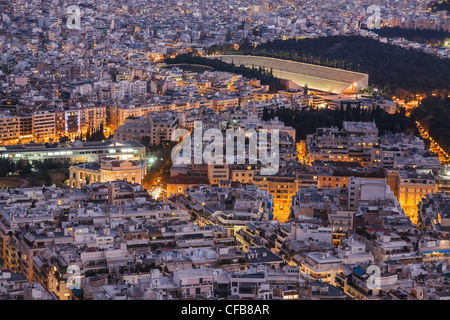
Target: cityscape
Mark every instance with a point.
(237, 150)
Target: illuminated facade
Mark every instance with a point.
(48, 126)
(177, 184)
(44, 128)
(218, 172)
(75, 152)
(72, 122)
(355, 142)
(282, 187)
(9, 129)
(410, 187)
(332, 181)
(242, 174)
(443, 179)
(317, 77)
(156, 126)
(109, 169)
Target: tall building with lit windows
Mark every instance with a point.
(44, 126)
(282, 187)
(72, 122)
(9, 129)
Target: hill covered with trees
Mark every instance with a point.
(390, 67)
(439, 5)
(432, 37)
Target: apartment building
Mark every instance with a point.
(220, 103)
(9, 130)
(117, 114)
(44, 126)
(157, 127)
(371, 190)
(194, 283)
(332, 181)
(217, 173)
(242, 173)
(410, 187)
(314, 202)
(353, 143)
(320, 265)
(282, 188)
(25, 128)
(179, 183)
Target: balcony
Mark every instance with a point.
(203, 284)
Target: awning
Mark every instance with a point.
(436, 251)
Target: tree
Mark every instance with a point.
(96, 135)
(145, 140)
(228, 36)
(24, 168)
(245, 45)
(64, 139)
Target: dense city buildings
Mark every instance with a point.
(125, 176)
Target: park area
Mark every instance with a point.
(12, 182)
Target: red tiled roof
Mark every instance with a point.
(117, 163)
(184, 179)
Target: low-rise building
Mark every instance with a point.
(106, 170)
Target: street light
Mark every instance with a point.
(151, 160)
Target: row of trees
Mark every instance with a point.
(264, 75)
(439, 5)
(9, 167)
(32, 171)
(433, 113)
(435, 37)
(92, 134)
(307, 121)
(95, 134)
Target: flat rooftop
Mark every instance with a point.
(71, 146)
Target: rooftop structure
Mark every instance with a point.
(76, 152)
